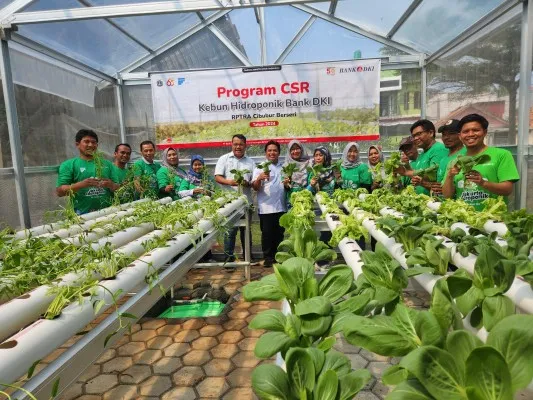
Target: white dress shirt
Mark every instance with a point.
(271, 194)
(227, 162)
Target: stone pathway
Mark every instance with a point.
(209, 358)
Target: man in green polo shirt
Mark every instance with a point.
(87, 178)
(452, 141)
(121, 158)
(491, 179)
(423, 133)
(145, 171)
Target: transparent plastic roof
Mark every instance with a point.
(128, 43)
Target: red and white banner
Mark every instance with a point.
(335, 101)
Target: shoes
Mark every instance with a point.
(268, 263)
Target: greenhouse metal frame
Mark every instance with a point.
(18, 13)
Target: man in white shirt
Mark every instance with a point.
(270, 201)
(236, 159)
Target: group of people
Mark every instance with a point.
(93, 180)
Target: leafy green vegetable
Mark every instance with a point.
(467, 163)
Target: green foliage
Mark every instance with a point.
(265, 166)
(350, 228)
(467, 163)
(289, 169)
(407, 231)
(431, 255)
(304, 244)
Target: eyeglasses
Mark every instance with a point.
(418, 134)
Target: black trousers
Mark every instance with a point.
(271, 235)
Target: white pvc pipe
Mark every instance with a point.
(351, 252)
(44, 336)
(434, 205)
(493, 226)
(48, 228)
(385, 211)
(22, 310)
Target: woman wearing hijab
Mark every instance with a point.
(298, 180)
(170, 175)
(325, 180)
(375, 163)
(354, 173)
(196, 182)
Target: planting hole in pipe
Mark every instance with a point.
(24, 296)
(8, 345)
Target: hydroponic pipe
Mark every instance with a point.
(48, 228)
(351, 251)
(467, 228)
(44, 336)
(22, 310)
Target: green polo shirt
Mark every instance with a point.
(87, 199)
(432, 156)
(353, 178)
(146, 171)
(444, 164)
(166, 177)
(406, 180)
(501, 168)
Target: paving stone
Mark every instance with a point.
(204, 343)
(135, 374)
(240, 377)
(100, 384)
(177, 349)
(373, 356)
(370, 384)
(106, 356)
(218, 367)
(72, 392)
(131, 348)
(160, 342)
(346, 348)
(212, 388)
(186, 336)
(357, 361)
(196, 357)
(240, 394)
(89, 373)
(118, 364)
(181, 393)
(234, 324)
(224, 350)
(211, 330)
(230, 337)
(144, 335)
(380, 389)
(366, 395)
(245, 359)
(377, 368)
(247, 344)
(153, 324)
(155, 386)
(193, 324)
(252, 332)
(238, 314)
(135, 328)
(121, 392)
(121, 341)
(89, 397)
(395, 360)
(148, 357)
(167, 365)
(169, 330)
(188, 376)
(258, 308)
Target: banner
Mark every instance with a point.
(319, 102)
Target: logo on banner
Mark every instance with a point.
(180, 81)
(330, 70)
(170, 82)
(359, 68)
(159, 82)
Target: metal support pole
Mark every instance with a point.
(120, 109)
(423, 91)
(262, 33)
(14, 132)
(526, 61)
(248, 245)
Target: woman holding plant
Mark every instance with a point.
(375, 165)
(295, 169)
(197, 181)
(484, 172)
(354, 173)
(321, 176)
(170, 175)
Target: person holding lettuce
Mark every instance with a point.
(354, 173)
(491, 172)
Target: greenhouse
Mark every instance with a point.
(267, 199)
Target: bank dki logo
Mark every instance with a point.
(330, 70)
(170, 82)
